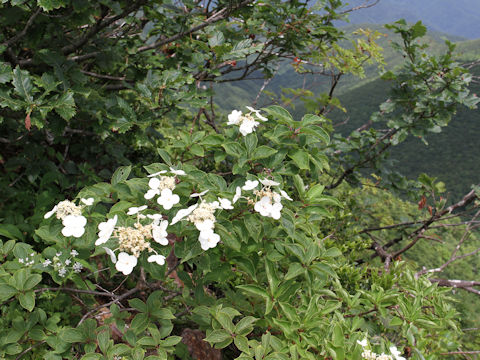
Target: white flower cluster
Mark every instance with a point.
(164, 187)
(62, 266)
(368, 354)
(267, 202)
(132, 241)
(71, 215)
(28, 261)
(247, 122)
(202, 215)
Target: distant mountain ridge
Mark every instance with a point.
(458, 17)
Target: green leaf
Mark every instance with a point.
(300, 158)
(197, 150)
(213, 140)
(217, 39)
(281, 115)
(22, 84)
(91, 356)
(19, 279)
(5, 73)
(315, 192)
(139, 322)
(71, 335)
(6, 292)
(48, 5)
(32, 281)
(234, 149)
(27, 300)
(294, 270)
(244, 326)
(254, 289)
(311, 119)
(241, 342)
(318, 132)
(10, 232)
(217, 336)
(65, 106)
(121, 174)
(250, 141)
(262, 152)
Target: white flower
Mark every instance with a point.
(362, 343)
(159, 232)
(159, 259)
(267, 182)
(205, 225)
(157, 173)
(234, 117)
(155, 217)
(396, 353)
(74, 225)
(135, 210)
(238, 194)
(264, 206)
(285, 195)
(257, 113)
(51, 212)
(125, 263)
(183, 213)
(68, 262)
(208, 239)
(177, 172)
(77, 267)
(62, 271)
(106, 230)
(46, 262)
(248, 126)
(194, 195)
(275, 211)
(225, 204)
(113, 257)
(250, 185)
(88, 201)
(74, 252)
(167, 199)
(154, 184)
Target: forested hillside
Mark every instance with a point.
(452, 155)
(459, 17)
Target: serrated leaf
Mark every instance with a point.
(300, 158)
(281, 115)
(263, 152)
(217, 336)
(121, 174)
(32, 281)
(217, 39)
(5, 73)
(27, 300)
(22, 84)
(318, 132)
(48, 5)
(315, 192)
(71, 335)
(234, 149)
(6, 292)
(65, 106)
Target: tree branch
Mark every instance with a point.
(219, 15)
